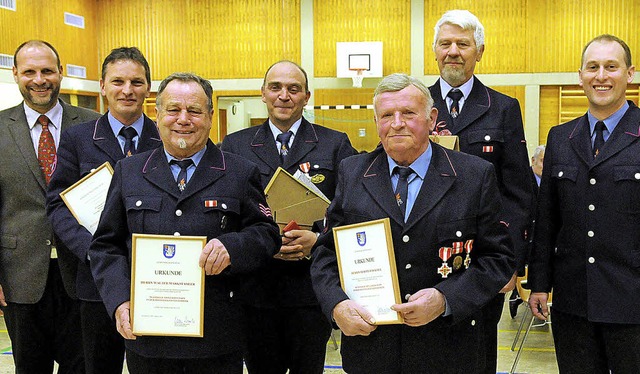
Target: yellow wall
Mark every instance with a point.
(362, 21)
(44, 19)
(214, 39)
(537, 36)
(349, 121)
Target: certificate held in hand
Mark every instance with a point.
(367, 267)
(85, 198)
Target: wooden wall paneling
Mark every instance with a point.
(217, 40)
(558, 30)
(74, 45)
(357, 21)
(349, 121)
(505, 23)
(549, 110)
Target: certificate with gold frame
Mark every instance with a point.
(167, 285)
(85, 198)
(367, 266)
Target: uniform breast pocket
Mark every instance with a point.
(455, 244)
(486, 143)
(322, 175)
(143, 213)
(222, 212)
(564, 177)
(627, 188)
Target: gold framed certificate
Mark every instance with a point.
(167, 285)
(85, 198)
(367, 267)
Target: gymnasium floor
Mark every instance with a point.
(537, 357)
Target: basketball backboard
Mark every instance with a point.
(365, 57)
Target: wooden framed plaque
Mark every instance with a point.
(167, 285)
(367, 267)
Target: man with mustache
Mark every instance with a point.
(489, 125)
(123, 131)
(186, 187)
(288, 330)
(37, 291)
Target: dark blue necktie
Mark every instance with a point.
(182, 175)
(129, 133)
(284, 138)
(598, 143)
(455, 95)
(402, 188)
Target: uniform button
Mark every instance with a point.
(459, 234)
(407, 296)
(405, 238)
(555, 250)
(592, 260)
(178, 212)
(592, 181)
(637, 176)
(487, 138)
(408, 266)
(590, 233)
(47, 242)
(560, 174)
(592, 207)
(316, 166)
(473, 322)
(224, 206)
(92, 170)
(176, 234)
(138, 203)
(231, 294)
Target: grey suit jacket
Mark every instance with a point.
(26, 237)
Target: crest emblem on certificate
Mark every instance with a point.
(169, 250)
(362, 238)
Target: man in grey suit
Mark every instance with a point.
(41, 312)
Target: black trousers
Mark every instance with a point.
(286, 338)
(595, 347)
(491, 313)
(102, 344)
(226, 364)
(46, 331)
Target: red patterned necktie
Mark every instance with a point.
(46, 149)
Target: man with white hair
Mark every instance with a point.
(489, 125)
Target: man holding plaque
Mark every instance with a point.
(288, 329)
(124, 130)
(41, 312)
(188, 187)
(489, 125)
(452, 253)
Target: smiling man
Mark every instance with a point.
(450, 200)
(489, 125)
(587, 237)
(288, 330)
(124, 130)
(186, 187)
(37, 283)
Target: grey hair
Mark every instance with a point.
(399, 81)
(186, 77)
(539, 149)
(464, 19)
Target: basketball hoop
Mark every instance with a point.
(357, 79)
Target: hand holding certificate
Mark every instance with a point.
(85, 198)
(167, 285)
(367, 267)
